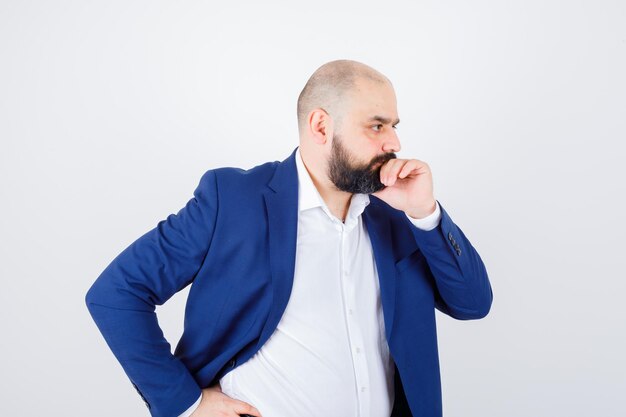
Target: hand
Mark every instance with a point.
(214, 403)
(409, 187)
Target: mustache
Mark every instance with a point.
(381, 159)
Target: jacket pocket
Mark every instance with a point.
(409, 261)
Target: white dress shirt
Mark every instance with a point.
(328, 355)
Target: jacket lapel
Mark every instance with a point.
(378, 227)
(281, 202)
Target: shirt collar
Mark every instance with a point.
(309, 197)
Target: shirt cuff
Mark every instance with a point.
(191, 409)
(429, 222)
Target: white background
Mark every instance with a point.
(111, 111)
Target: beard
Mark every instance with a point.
(362, 179)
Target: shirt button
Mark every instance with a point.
(345, 272)
(358, 350)
(362, 389)
(350, 311)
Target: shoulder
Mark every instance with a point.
(239, 180)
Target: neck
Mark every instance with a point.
(338, 201)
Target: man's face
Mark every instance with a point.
(366, 139)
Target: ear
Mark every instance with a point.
(320, 125)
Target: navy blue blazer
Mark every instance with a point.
(235, 243)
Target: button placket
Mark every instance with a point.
(359, 357)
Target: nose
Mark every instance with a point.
(391, 143)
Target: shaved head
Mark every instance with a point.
(330, 87)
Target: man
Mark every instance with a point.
(315, 279)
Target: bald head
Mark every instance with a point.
(330, 87)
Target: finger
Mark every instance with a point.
(241, 407)
(386, 169)
(383, 169)
(392, 174)
(412, 165)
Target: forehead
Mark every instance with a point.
(370, 99)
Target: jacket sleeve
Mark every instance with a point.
(463, 288)
(147, 273)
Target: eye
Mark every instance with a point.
(378, 130)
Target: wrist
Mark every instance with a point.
(422, 212)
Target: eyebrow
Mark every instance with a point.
(383, 120)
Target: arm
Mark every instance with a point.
(464, 291)
(147, 273)
(193, 407)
